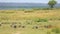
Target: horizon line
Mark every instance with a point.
(26, 2)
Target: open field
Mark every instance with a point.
(30, 21)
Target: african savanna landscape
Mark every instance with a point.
(30, 21)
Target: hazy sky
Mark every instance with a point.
(28, 1)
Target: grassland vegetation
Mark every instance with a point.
(33, 22)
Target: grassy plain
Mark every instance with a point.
(30, 21)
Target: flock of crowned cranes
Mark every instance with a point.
(15, 25)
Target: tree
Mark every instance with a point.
(51, 3)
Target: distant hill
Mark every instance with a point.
(24, 5)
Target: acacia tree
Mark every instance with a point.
(51, 3)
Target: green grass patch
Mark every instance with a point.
(41, 20)
(56, 30)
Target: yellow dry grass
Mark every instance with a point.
(20, 15)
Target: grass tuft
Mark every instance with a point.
(41, 20)
(56, 30)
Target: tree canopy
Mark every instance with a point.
(51, 3)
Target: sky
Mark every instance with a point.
(27, 1)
